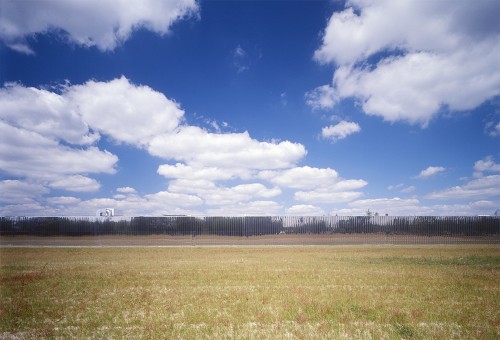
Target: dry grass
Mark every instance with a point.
(384, 292)
(264, 240)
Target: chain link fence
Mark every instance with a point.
(248, 230)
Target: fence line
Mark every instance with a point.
(263, 230)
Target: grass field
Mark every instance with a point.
(433, 291)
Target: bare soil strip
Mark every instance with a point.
(264, 240)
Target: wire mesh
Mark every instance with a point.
(248, 230)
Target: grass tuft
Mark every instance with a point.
(251, 292)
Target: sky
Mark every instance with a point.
(167, 107)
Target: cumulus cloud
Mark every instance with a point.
(340, 131)
(167, 198)
(200, 148)
(485, 165)
(305, 210)
(63, 200)
(28, 154)
(483, 192)
(124, 111)
(129, 204)
(103, 23)
(48, 136)
(44, 112)
(40, 129)
(480, 207)
(316, 184)
(183, 171)
(25, 209)
(341, 191)
(76, 183)
(253, 208)
(327, 196)
(52, 144)
(431, 54)
(392, 206)
(430, 171)
(20, 192)
(213, 194)
(301, 177)
(128, 113)
(481, 188)
(126, 190)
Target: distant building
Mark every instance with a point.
(107, 212)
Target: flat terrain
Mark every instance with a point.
(264, 240)
(314, 292)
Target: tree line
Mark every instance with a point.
(252, 225)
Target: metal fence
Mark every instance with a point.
(249, 230)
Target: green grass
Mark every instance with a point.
(388, 292)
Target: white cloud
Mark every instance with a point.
(63, 200)
(434, 54)
(305, 210)
(397, 186)
(43, 141)
(430, 171)
(156, 204)
(253, 208)
(174, 199)
(481, 188)
(199, 148)
(411, 25)
(340, 130)
(25, 209)
(409, 189)
(326, 196)
(103, 23)
(244, 57)
(485, 165)
(183, 171)
(46, 113)
(20, 192)
(219, 195)
(126, 190)
(127, 112)
(322, 185)
(492, 128)
(20, 47)
(481, 207)
(321, 98)
(41, 131)
(28, 154)
(50, 143)
(301, 177)
(284, 100)
(241, 60)
(76, 183)
(391, 206)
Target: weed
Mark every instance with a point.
(403, 330)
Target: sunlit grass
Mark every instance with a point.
(252, 292)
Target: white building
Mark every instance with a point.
(106, 212)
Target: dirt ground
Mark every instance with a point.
(213, 240)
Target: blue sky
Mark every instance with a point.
(250, 107)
